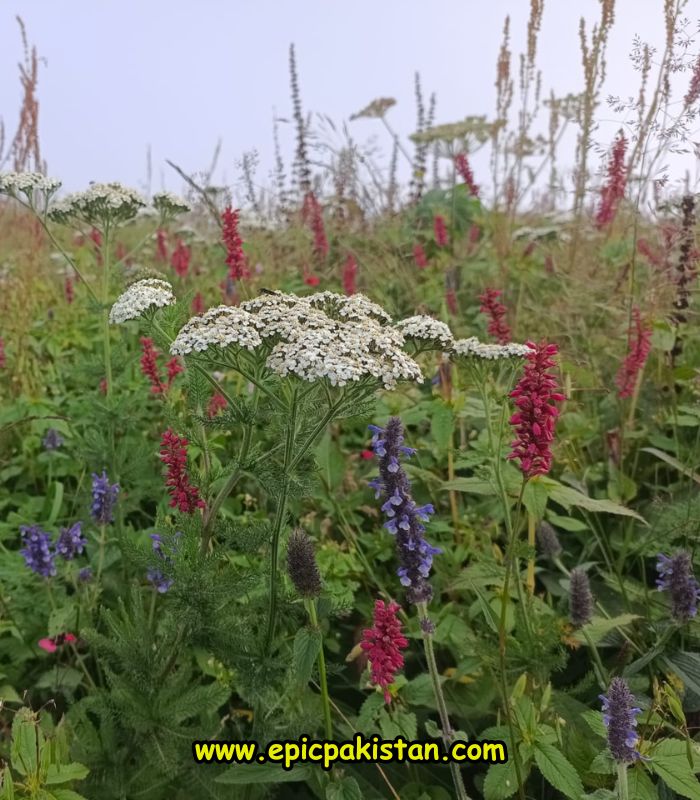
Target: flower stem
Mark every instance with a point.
(105, 312)
(531, 559)
(323, 680)
(622, 787)
(446, 728)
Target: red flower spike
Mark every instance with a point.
(614, 188)
(383, 643)
(312, 213)
(350, 275)
(440, 231)
(419, 256)
(496, 312)
(161, 246)
(68, 290)
(216, 404)
(465, 172)
(180, 259)
(235, 257)
(536, 396)
(174, 368)
(149, 365)
(198, 305)
(173, 453)
(638, 348)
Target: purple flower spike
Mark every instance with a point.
(620, 718)
(403, 518)
(676, 577)
(104, 497)
(37, 550)
(71, 542)
(52, 440)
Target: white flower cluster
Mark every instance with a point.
(139, 297)
(356, 307)
(98, 203)
(427, 329)
(217, 327)
(169, 204)
(26, 183)
(306, 338)
(472, 347)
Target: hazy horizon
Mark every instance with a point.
(119, 78)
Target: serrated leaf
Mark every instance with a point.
(243, 774)
(599, 627)
(640, 785)
(62, 773)
(558, 770)
(307, 645)
(535, 496)
(567, 497)
(345, 789)
(27, 740)
(442, 424)
(669, 760)
(501, 781)
(8, 786)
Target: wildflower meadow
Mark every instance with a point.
(402, 453)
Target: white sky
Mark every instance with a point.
(176, 74)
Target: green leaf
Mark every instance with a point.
(669, 760)
(61, 620)
(8, 786)
(62, 773)
(558, 770)
(307, 646)
(599, 627)
(468, 485)
(67, 794)
(27, 741)
(442, 424)
(345, 789)
(57, 501)
(640, 785)
(501, 781)
(687, 667)
(242, 774)
(535, 496)
(673, 462)
(567, 496)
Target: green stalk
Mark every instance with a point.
(105, 312)
(622, 787)
(445, 726)
(279, 521)
(323, 680)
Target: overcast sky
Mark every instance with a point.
(179, 74)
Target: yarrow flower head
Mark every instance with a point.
(620, 718)
(536, 396)
(141, 297)
(99, 204)
(383, 643)
(404, 518)
(301, 564)
(218, 327)
(496, 312)
(173, 453)
(33, 187)
(580, 598)
(104, 498)
(676, 577)
(169, 204)
(426, 331)
(71, 542)
(37, 550)
(52, 440)
(472, 348)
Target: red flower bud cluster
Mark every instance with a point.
(638, 347)
(614, 188)
(536, 396)
(312, 213)
(180, 259)
(235, 257)
(161, 246)
(350, 275)
(440, 231)
(173, 453)
(496, 312)
(383, 643)
(465, 171)
(419, 256)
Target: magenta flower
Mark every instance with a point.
(536, 397)
(496, 312)
(614, 188)
(638, 348)
(465, 171)
(440, 231)
(383, 643)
